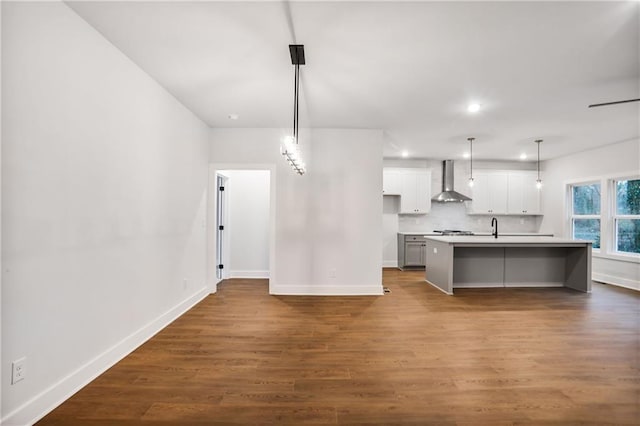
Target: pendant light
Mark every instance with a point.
(538, 180)
(471, 161)
(290, 149)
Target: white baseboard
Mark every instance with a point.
(326, 290)
(389, 263)
(534, 284)
(40, 405)
(618, 281)
(508, 285)
(435, 286)
(248, 274)
(478, 285)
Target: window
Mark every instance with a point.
(585, 213)
(627, 216)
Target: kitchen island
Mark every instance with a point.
(507, 261)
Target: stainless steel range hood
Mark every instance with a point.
(448, 195)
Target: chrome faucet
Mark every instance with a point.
(494, 230)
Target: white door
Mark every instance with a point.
(498, 192)
(221, 181)
(423, 192)
(391, 182)
(516, 192)
(408, 192)
(480, 193)
(530, 194)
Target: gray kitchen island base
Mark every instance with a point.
(476, 262)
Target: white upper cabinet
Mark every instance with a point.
(391, 182)
(489, 192)
(524, 196)
(415, 197)
(413, 186)
(505, 192)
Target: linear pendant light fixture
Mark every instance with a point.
(538, 180)
(471, 182)
(291, 149)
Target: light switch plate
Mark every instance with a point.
(18, 370)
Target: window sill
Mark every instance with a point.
(632, 258)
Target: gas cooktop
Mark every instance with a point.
(453, 232)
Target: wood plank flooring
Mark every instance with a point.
(414, 356)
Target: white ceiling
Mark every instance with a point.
(409, 68)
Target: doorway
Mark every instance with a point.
(241, 211)
(221, 182)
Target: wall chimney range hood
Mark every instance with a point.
(448, 195)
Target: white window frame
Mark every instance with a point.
(613, 226)
(573, 216)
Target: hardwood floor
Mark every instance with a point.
(414, 356)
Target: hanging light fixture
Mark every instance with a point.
(538, 180)
(471, 161)
(290, 148)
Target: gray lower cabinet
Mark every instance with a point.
(411, 251)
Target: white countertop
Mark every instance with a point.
(505, 240)
(485, 234)
(514, 234)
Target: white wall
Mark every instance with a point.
(248, 223)
(1, 362)
(328, 230)
(446, 215)
(617, 159)
(103, 184)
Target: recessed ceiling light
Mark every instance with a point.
(233, 116)
(523, 156)
(473, 107)
(465, 155)
(405, 154)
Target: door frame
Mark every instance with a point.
(212, 208)
(222, 240)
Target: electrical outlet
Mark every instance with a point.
(435, 250)
(521, 221)
(184, 284)
(18, 370)
(332, 273)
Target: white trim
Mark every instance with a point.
(390, 263)
(1, 149)
(225, 243)
(599, 178)
(326, 290)
(613, 222)
(435, 286)
(478, 285)
(509, 285)
(619, 256)
(213, 287)
(607, 213)
(211, 217)
(38, 406)
(248, 274)
(534, 284)
(617, 281)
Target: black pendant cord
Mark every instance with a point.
(295, 102)
(613, 103)
(538, 165)
(471, 156)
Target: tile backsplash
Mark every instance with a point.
(454, 216)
